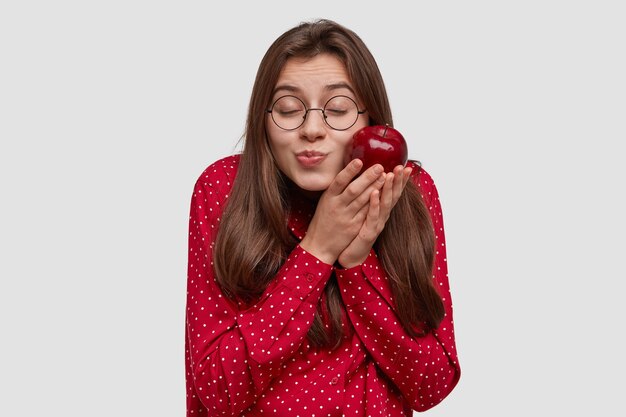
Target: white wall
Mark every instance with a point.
(110, 110)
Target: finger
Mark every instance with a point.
(398, 184)
(403, 173)
(388, 191)
(361, 215)
(373, 213)
(369, 231)
(364, 198)
(344, 177)
(404, 176)
(359, 185)
(398, 172)
(407, 175)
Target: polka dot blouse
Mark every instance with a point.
(257, 361)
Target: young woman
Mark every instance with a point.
(316, 288)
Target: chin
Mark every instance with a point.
(314, 188)
(313, 185)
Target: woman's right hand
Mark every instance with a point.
(341, 211)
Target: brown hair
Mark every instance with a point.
(253, 240)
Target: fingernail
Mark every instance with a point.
(378, 169)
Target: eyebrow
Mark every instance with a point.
(329, 87)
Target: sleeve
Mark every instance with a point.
(425, 369)
(232, 355)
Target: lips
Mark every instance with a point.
(310, 158)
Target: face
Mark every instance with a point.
(313, 154)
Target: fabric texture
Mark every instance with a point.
(257, 361)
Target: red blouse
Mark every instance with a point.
(257, 361)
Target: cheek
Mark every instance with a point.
(280, 148)
(270, 133)
(273, 136)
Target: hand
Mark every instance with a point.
(341, 211)
(379, 210)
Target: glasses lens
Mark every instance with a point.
(288, 112)
(341, 112)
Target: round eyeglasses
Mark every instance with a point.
(340, 112)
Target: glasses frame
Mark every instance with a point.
(307, 110)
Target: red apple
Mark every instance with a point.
(379, 145)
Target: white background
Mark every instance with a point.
(109, 111)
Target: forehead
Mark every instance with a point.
(314, 75)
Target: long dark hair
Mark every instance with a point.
(253, 240)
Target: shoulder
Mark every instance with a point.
(423, 181)
(220, 175)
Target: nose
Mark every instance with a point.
(314, 126)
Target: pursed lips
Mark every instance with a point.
(309, 158)
(309, 153)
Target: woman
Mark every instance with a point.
(315, 288)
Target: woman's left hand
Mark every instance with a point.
(380, 205)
